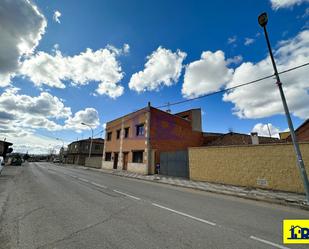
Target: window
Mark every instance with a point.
(108, 156)
(140, 130)
(126, 132)
(137, 156)
(109, 136)
(186, 117)
(97, 147)
(118, 133)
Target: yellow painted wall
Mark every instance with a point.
(271, 166)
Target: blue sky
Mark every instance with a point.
(183, 31)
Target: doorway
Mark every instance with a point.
(115, 160)
(125, 160)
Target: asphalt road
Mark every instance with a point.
(51, 206)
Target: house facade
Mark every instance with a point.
(5, 148)
(233, 138)
(78, 151)
(134, 142)
(302, 133)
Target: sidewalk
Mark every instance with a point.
(285, 198)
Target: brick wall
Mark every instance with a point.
(271, 166)
(129, 144)
(238, 139)
(302, 133)
(170, 133)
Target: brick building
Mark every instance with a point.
(134, 142)
(233, 138)
(78, 151)
(5, 148)
(302, 132)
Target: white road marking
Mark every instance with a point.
(82, 179)
(131, 196)
(184, 214)
(268, 242)
(98, 185)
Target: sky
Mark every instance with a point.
(67, 62)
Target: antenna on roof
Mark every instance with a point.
(168, 107)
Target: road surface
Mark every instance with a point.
(52, 206)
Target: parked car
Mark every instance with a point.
(56, 160)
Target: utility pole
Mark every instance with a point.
(268, 130)
(263, 19)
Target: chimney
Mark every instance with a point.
(254, 138)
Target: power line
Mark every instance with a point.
(98, 133)
(141, 111)
(232, 88)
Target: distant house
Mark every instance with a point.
(78, 151)
(233, 138)
(5, 148)
(284, 134)
(302, 132)
(135, 141)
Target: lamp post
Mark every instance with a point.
(91, 137)
(61, 148)
(263, 19)
(61, 141)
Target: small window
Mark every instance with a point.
(137, 156)
(186, 117)
(126, 132)
(108, 156)
(97, 147)
(118, 133)
(140, 130)
(109, 136)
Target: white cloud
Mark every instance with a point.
(163, 68)
(276, 4)
(232, 39)
(99, 66)
(235, 60)
(248, 41)
(264, 130)
(21, 26)
(263, 99)
(34, 143)
(56, 16)
(88, 116)
(206, 75)
(43, 105)
(21, 115)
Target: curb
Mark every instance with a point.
(249, 196)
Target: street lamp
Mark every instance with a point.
(61, 156)
(61, 141)
(91, 137)
(263, 19)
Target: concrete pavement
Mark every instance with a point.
(285, 198)
(58, 207)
